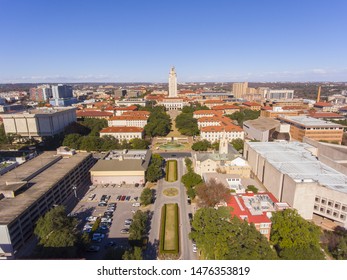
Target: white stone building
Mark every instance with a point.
(123, 132)
(137, 121)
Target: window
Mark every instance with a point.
(330, 203)
(264, 231)
(343, 217)
(344, 208)
(324, 201)
(337, 205)
(335, 214)
(322, 209)
(315, 207)
(329, 211)
(317, 199)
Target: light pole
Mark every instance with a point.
(74, 190)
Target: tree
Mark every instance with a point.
(133, 254)
(191, 179)
(237, 144)
(201, 145)
(220, 237)
(188, 163)
(212, 193)
(90, 143)
(108, 143)
(159, 123)
(146, 196)
(139, 144)
(186, 124)
(72, 141)
(3, 137)
(294, 237)
(336, 242)
(57, 233)
(138, 227)
(252, 188)
(153, 173)
(244, 115)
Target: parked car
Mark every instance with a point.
(118, 197)
(98, 235)
(112, 205)
(123, 198)
(106, 220)
(128, 220)
(91, 219)
(93, 248)
(195, 249)
(102, 204)
(124, 231)
(136, 204)
(111, 209)
(95, 239)
(128, 198)
(108, 214)
(110, 244)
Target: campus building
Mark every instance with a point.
(32, 189)
(311, 179)
(316, 129)
(40, 122)
(121, 167)
(123, 132)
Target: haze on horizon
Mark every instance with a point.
(207, 41)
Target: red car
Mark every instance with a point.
(123, 198)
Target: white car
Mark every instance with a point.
(195, 249)
(106, 220)
(136, 204)
(91, 219)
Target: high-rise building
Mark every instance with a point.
(239, 89)
(41, 93)
(62, 96)
(62, 91)
(173, 83)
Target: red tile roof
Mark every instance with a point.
(251, 104)
(322, 104)
(225, 107)
(325, 115)
(206, 112)
(136, 113)
(226, 128)
(214, 102)
(121, 129)
(128, 118)
(129, 108)
(93, 114)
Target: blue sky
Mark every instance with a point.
(137, 40)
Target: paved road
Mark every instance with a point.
(184, 208)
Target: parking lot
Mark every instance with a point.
(124, 197)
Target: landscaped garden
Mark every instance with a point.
(169, 236)
(171, 171)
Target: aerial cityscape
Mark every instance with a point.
(134, 149)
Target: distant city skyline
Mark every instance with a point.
(137, 41)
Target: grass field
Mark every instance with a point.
(170, 192)
(169, 229)
(171, 171)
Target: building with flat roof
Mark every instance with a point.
(316, 129)
(279, 94)
(256, 209)
(89, 114)
(266, 129)
(292, 172)
(239, 89)
(122, 167)
(39, 123)
(128, 120)
(32, 189)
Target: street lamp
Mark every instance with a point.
(74, 190)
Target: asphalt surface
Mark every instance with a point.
(87, 207)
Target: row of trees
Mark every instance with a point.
(159, 123)
(105, 143)
(244, 115)
(190, 179)
(154, 170)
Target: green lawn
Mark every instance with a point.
(171, 171)
(169, 229)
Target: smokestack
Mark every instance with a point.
(318, 96)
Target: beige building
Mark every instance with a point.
(316, 129)
(33, 188)
(123, 132)
(40, 122)
(127, 120)
(266, 129)
(293, 174)
(122, 167)
(239, 89)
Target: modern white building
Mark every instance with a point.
(279, 94)
(172, 83)
(40, 122)
(294, 173)
(123, 132)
